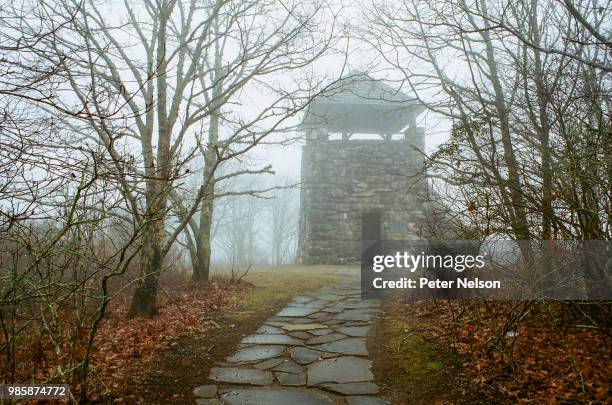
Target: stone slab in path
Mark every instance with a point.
(355, 331)
(297, 311)
(254, 353)
(301, 335)
(352, 346)
(302, 321)
(332, 310)
(358, 388)
(317, 304)
(236, 375)
(289, 366)
(332, 337)
(313, 352)
(291, 378)
(356, 305)
(304, 355)
(269, 330)
(274, 395)
(353, 315)
(346, 369)
(272, 340)
(304, 327)
(321, 316)
(275, 323)
(267, 364)
(320, 332)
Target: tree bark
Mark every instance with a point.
(143, 301)
(145, 296)
(201, 270)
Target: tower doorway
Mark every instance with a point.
(371, 227)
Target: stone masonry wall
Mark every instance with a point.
(341, 180)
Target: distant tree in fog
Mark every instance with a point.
(283, 207)
(238, 233)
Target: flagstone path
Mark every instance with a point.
(313, 352)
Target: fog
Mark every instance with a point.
(154, 151)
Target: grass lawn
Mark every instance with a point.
(275, 286)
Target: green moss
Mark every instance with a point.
(420, 360)
(434, 365)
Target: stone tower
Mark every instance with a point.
(361, 171)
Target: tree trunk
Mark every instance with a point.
(519, 224)
(543, 130)
(201, 269)
(158, 186)
(143, 302)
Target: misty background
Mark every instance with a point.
(149, 146)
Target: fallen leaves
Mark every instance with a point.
(122, 344)
(541, 362)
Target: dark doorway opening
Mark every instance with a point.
(371, 227)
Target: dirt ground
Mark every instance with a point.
(170, 377)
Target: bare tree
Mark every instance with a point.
(247, 61)
(581, 29)
(283, 208)
(55, 252)
(238, 236)
(183, 62)
(27, 83)
(528, 154)
(509, 102)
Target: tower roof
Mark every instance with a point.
(361, 104)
